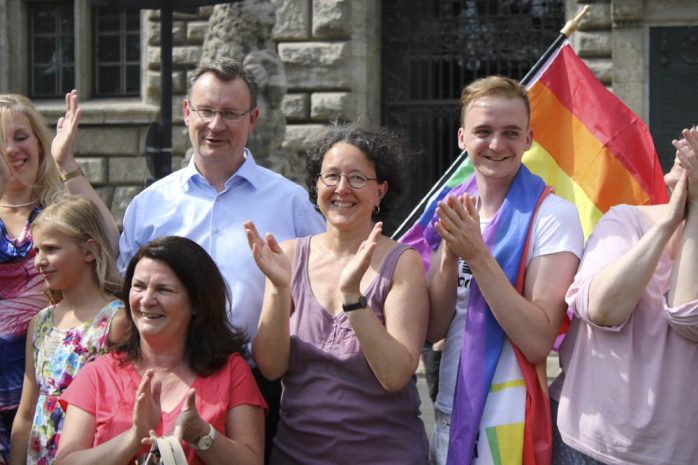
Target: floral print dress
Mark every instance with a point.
(58, 355)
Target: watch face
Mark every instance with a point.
(205, 442)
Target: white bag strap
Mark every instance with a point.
(171, 452)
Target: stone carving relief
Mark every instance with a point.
(242, 30)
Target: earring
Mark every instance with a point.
(377, 209)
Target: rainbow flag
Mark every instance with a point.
(590, 147)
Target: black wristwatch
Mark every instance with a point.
(362, 303)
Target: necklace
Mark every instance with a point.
(19, 205)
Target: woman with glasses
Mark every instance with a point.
(345, 314)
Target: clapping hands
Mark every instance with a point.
(269, 256)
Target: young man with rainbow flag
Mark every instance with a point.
(505, 250)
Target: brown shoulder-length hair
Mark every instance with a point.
(211, 339)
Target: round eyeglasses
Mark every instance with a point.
(208, 114)
(356, 180)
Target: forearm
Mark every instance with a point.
(117, 451)
(19, 441)
(225, 451)
(392, 362)
(271, 345)
(443, 286)
(684, 275)
(615, 290)
(526, 324)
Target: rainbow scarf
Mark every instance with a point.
(507, 238)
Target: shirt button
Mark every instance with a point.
(216, 230)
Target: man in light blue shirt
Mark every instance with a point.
(223, 186)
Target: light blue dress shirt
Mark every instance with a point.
(185, 204)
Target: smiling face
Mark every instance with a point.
(159, 303)
(22, 150)
(343, 205)
(495, 133)
(61, 260)
(219, 144)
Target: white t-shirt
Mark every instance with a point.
(556, 229)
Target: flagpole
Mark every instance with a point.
(567, 30)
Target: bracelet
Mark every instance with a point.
(65, 177)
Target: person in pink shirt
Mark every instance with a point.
(179, 372)
(630, 357)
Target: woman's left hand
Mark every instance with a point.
(190, 426)
(350, 279)
(687, 154)
(63, 145)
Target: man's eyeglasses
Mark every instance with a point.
(356, 180)
(208, 114)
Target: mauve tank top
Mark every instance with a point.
(333, 409)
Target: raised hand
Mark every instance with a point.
(63, 145)
(269, 256)
(350, 279)
(459, 226)
(146, 409)
(190, 426)
(677, 203)
(687, 153)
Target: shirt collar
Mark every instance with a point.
(246, 172)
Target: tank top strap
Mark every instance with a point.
(381, 285)
(299, 264)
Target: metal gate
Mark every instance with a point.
(431, 49)
(673, 77)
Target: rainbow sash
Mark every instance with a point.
(507, 238)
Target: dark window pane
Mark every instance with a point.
(133, 47)
(68, 79)
(108, 80)
(44, 82)
(107, 20)
(44, 50)
(66, 20)
(44, 19)
(117, 52)
(133, 20)
(108, 48)
(68, 49)
(133, 79)
(52, 48)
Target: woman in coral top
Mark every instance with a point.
(179, 372)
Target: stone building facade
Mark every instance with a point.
(331, 56)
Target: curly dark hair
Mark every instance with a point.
(381, 146)
(211, 339)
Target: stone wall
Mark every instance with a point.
(331, 52)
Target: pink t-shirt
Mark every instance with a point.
(629, 392)
(106, 389)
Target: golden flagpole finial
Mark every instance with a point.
(573, 24)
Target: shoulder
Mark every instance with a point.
(118, 325)
(557, 228)
(553, 205)
(162, 186)
(406, 257)
(271, 178)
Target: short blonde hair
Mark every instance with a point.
(493, 86)
(80, 219)
(47, 184)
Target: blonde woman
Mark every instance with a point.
(38, 170)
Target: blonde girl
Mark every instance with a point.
(81, 281)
